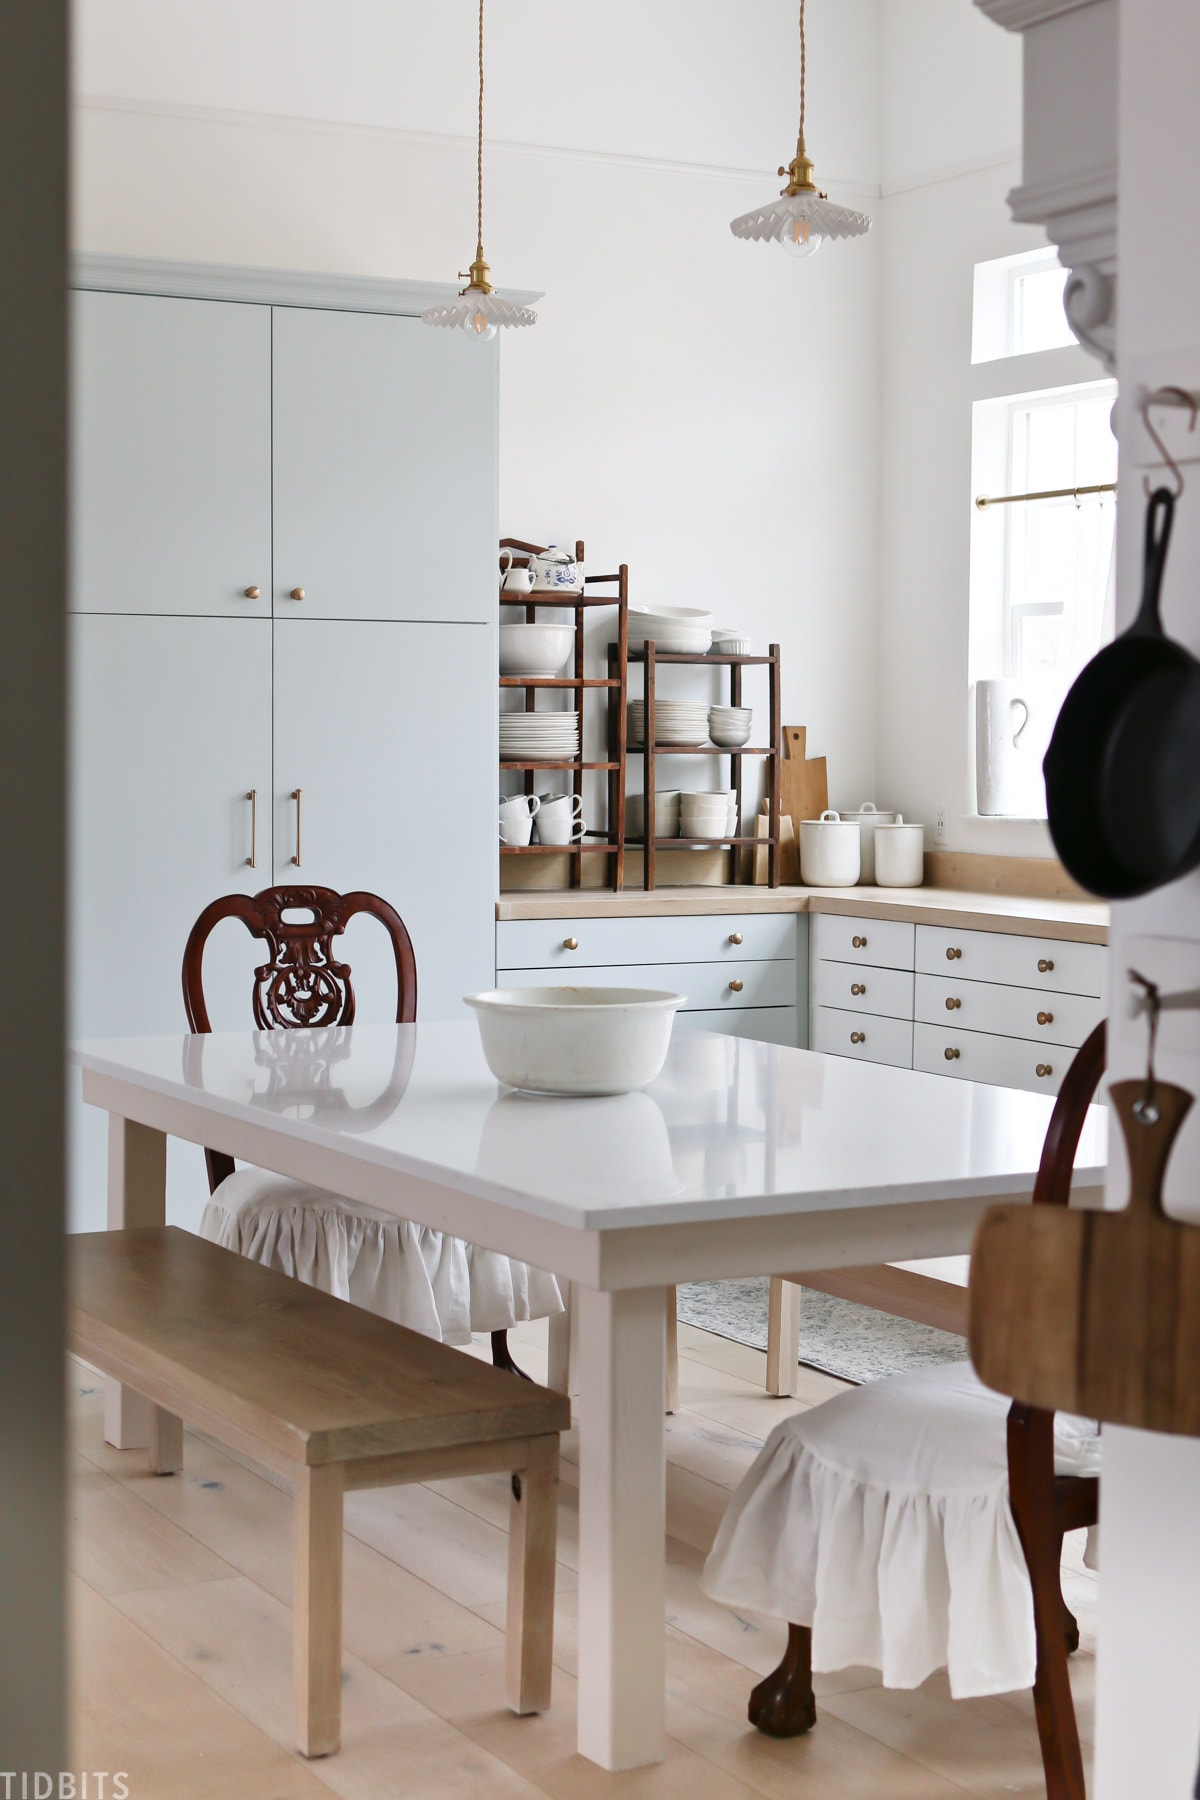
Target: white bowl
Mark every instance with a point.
(729, 737)
(733, 646)
(534, 650)
(693, 616)
(575, 1040)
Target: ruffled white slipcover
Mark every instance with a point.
(422, 1278)
(882, 1520)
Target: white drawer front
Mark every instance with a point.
(730, 937)
(1049, 964)
(769, 1024)
(871, 1039)
(1004, 1061)
(864, 989)
(1006, 1011)
(706, 985)
(882, 943)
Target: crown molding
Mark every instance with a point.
(1023, 15)
(267, 287)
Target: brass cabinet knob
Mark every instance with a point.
(858, 1037)
(1044, 1069)
(252, 593)
(1044, 965)
(859, 943)
(735, 987)
(953, 954)
(570, 943)
(952, 1055)
(296, 594)
(735, 937)
(952, 1003)
(1045, 1018)
(858, 987)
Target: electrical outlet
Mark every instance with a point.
(939, 822)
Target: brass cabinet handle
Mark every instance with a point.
(735, 937)
(1045, 1018)
(858, 1037)
(252, 797)
(296, 798)
(1044, 1069)
(570, 943)
(1044, 965)
(858, 987)
(953, 955)
(859, 943)
(252, 593)
(735, 987)
(952, 1055)
(296, 594)
(953, 1003)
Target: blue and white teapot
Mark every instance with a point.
(554, 572)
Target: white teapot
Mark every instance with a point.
(554, 572)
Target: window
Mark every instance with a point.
(1018, 307)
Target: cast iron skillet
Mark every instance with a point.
(1123, 767)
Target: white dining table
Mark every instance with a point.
(742, 1159)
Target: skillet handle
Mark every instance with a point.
(1159, 516)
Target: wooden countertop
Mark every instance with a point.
(1081, 921)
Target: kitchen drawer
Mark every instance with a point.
(862, 989)
(871, 1039)
(769, 1024)
(881, 943)
(1006, 1011)
(1050, 964)
(1004, 1061)
(707, 985)
(708, 937)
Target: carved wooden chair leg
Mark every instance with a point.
(502, 1355)
(782, 1704)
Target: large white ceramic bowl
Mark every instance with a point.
(575, 1040)
(535, 650)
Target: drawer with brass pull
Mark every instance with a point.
(1003, 1011)
(879, 943)
(1045, 964)
(871, 1039)
(888, 992)
(1000, 1061)
(707, 985)
(587, 943)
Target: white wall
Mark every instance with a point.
(702, 409)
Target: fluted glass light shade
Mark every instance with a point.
(479, 310)
(802, 217)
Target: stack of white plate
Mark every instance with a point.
(543, 737)
(682, 629)
(681, 722)
(708, 815)
(730, 725)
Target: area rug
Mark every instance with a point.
(836, 1336)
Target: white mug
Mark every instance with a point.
(560, 820)
(514, 581)
(517, 814)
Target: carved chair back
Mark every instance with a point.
(301, 982)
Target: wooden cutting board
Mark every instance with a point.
(803, 781)
(1097, 1312)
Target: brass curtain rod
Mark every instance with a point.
(983, 501)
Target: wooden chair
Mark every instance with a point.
(302, 983)
(1044, 1503)
(334, 1398)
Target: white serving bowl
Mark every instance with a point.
(534, 650)
(728, 645)
(575, 1040)
(690, 616)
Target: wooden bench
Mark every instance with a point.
(334, 1397)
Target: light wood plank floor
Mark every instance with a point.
(181, 1637)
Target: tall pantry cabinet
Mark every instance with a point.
(283, 646)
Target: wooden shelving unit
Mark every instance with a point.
(610, 839)
(652, 660)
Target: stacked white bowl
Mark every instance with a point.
(666, 814)
(681, 629)
(708, 815)
(730, 725)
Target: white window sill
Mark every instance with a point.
(996, 836)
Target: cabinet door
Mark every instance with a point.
(171, 722)
(389, 733)
(171, 456)
(385, 468)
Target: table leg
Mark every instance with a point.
(137, 1195)
(622, 1527)
(783, 1336)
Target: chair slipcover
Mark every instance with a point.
(412, 1274)
(881, 1519)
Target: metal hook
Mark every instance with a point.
(1156, 399)
(1145, 1110)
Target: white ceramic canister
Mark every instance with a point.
(868, 816)
(899, 854)
(830, 851)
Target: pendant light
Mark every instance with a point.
(802, 218)
(479, 310)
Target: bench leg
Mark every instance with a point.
(783, 1336)
(532, 1540)
(563, 1335)
(166, 1442)
(318, 1608)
